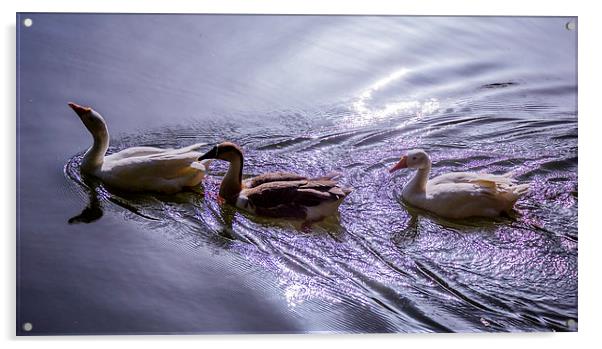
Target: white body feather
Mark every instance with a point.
(139, 168)
(153, 169)
(459, 194)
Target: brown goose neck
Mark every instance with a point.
(232, 182)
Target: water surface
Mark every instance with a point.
(308, 94)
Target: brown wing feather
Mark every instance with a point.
(329, 186)
(272, 194)
(283, 211)
(294, 193)
(320, 184)
(272, 177)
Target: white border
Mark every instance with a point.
(433, 7)
(589, 129)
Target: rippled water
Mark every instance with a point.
(309, 95)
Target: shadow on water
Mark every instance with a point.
(93, 211)
(97, 193)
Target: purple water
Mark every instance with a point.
(310, 95)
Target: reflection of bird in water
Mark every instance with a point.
(93, 211)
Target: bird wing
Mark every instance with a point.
(485, 179)
(485, 186)
(189, 149)
(166, 166)
(151, 152)
(272, 194)
(134, 152)
(272, 177)
(295, 193)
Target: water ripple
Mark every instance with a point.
(405, 269)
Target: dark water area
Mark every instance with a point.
(309, 94)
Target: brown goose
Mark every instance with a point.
(278, 194)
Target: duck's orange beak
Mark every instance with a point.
(78, 109)
(403, 163)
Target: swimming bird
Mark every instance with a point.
(458, 194)
(277, 194)
(138, 168)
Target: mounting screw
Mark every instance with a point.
(570, 26)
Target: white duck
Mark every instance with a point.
(458, 194)
(138, 168)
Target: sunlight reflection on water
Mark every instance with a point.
(367, 114)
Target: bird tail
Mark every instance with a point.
(202, 165)
(347, 190)
(514, 193)
(192, 147)
(340, 190)
(520, 189)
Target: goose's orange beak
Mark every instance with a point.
(78, 109)
(403, 163)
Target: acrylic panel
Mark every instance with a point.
(360, 236)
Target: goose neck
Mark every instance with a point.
(94, 157)
(232, 182)
(418, 182)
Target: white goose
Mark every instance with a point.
(138, 168)
(458, 194)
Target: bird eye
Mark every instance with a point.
(413, 158)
